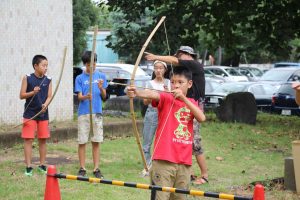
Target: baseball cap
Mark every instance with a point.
(187, 49)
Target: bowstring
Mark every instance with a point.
(173, 101)
(168, 46)
(35, 95)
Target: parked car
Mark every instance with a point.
(120, 73)
(252, 73)
(118, 90)
(286, 64)
(123, 76)
(283, 101)
(277, 76)
(262, 92)
(117, 70)
(230, 74)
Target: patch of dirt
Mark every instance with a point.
(270, 184)
(52, 159)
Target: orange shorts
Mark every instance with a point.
(32, 126)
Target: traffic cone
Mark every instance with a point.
(259, 192)
(52, 191)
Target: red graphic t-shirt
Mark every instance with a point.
(174, 135)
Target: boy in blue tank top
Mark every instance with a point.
(82, 87)
(36, 88)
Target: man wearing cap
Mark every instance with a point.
(185, 56)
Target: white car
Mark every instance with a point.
(252, 73)
(121, 73)
(230, 74)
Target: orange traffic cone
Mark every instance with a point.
(52, 188)
(259, 192)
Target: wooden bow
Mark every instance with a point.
(91, 77)
(54, 93)
(137, 62)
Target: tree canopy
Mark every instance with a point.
(264, 31)
(85, 14)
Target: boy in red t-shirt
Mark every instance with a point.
(172, 151)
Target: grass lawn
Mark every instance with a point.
(237, 155)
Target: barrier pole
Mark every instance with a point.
(152, 187)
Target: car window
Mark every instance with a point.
(208, 72)
(123, 74)
(295, 76)
(286, 65)
(276, 75)
(127, 68)
(110, 74)
(232, 72)
(218, 72)
(140, 83)
(245, 72)
(256, 72)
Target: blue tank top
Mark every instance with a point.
(35, 102)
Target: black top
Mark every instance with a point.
(35, 105)
(197, 91)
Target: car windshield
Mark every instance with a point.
(233, 72)
(207, 72)
(276, 75)
(255, 71)
(230, 88)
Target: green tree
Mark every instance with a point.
(85, 14)
(265, 30)
(104, 17)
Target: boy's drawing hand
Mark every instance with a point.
(100, 83)
(131, 91)
(88, 96)
(177, 93)
(36, 89)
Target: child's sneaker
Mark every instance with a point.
(42, 169)
(28, 171)
(97, 173)
(81, 172)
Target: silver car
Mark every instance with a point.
(262, 92)
(230, 74)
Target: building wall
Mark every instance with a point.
(27, 28)
(105, 54)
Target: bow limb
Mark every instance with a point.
(135, 128)
(54, 93)
(91, 77)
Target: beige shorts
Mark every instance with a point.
(167, 174)
(84, 128)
